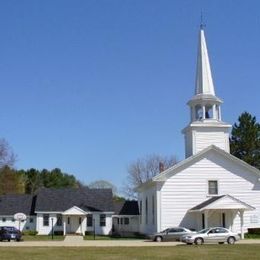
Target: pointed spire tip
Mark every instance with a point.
(202, 24)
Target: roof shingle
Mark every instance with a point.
(15, 203)
(128, 207)
(62, 199)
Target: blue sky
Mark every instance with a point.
(90, 86)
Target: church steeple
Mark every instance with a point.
(204, 82)
(205, 105)
(206, 126)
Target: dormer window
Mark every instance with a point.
(212, 187)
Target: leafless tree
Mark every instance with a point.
(7, 157)
(144, 169)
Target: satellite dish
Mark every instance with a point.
(20, 216)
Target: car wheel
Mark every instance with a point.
(199, 241)
(8, 240)
(231, 240)
(158, 239)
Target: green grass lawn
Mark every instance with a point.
(42, 238)
(205, 252)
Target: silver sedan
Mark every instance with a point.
(211, 235)
(170, 234)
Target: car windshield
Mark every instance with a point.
(204, 231)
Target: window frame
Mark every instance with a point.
(141, 211)
(46, 220)
(210, 188)
(153, 209)
(102, 220)
(90, 220)
(126, 221)
(146, 211)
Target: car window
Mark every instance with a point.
(212, 231)
(172, 230)
(180, 230)
(204, 231)
(221, 230)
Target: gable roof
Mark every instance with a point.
(84, 198)
(222, 202)
(15, 203)
(192, 159)
(128, 207)
(74, 211)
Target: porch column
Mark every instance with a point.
(242, 223)
(64, 225)
(206, 215)
(233, 215)
(83, 225)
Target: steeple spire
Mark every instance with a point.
(204, 81)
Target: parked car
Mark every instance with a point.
(211, 235)
(171, 234)
(10, 233)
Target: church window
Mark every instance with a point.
(146, 211)
(213, 187)
(141, 211)
(153, 209)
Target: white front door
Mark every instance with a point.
(74, 224)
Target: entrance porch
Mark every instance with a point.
(74, 221)
(221, 211)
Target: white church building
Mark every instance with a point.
(210, 187)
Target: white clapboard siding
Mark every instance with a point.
(203, 139)
(189, 188)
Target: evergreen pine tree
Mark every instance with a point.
(245, 139)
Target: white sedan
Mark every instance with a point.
(211, 235)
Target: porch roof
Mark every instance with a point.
(74, 211)
(222, 202)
